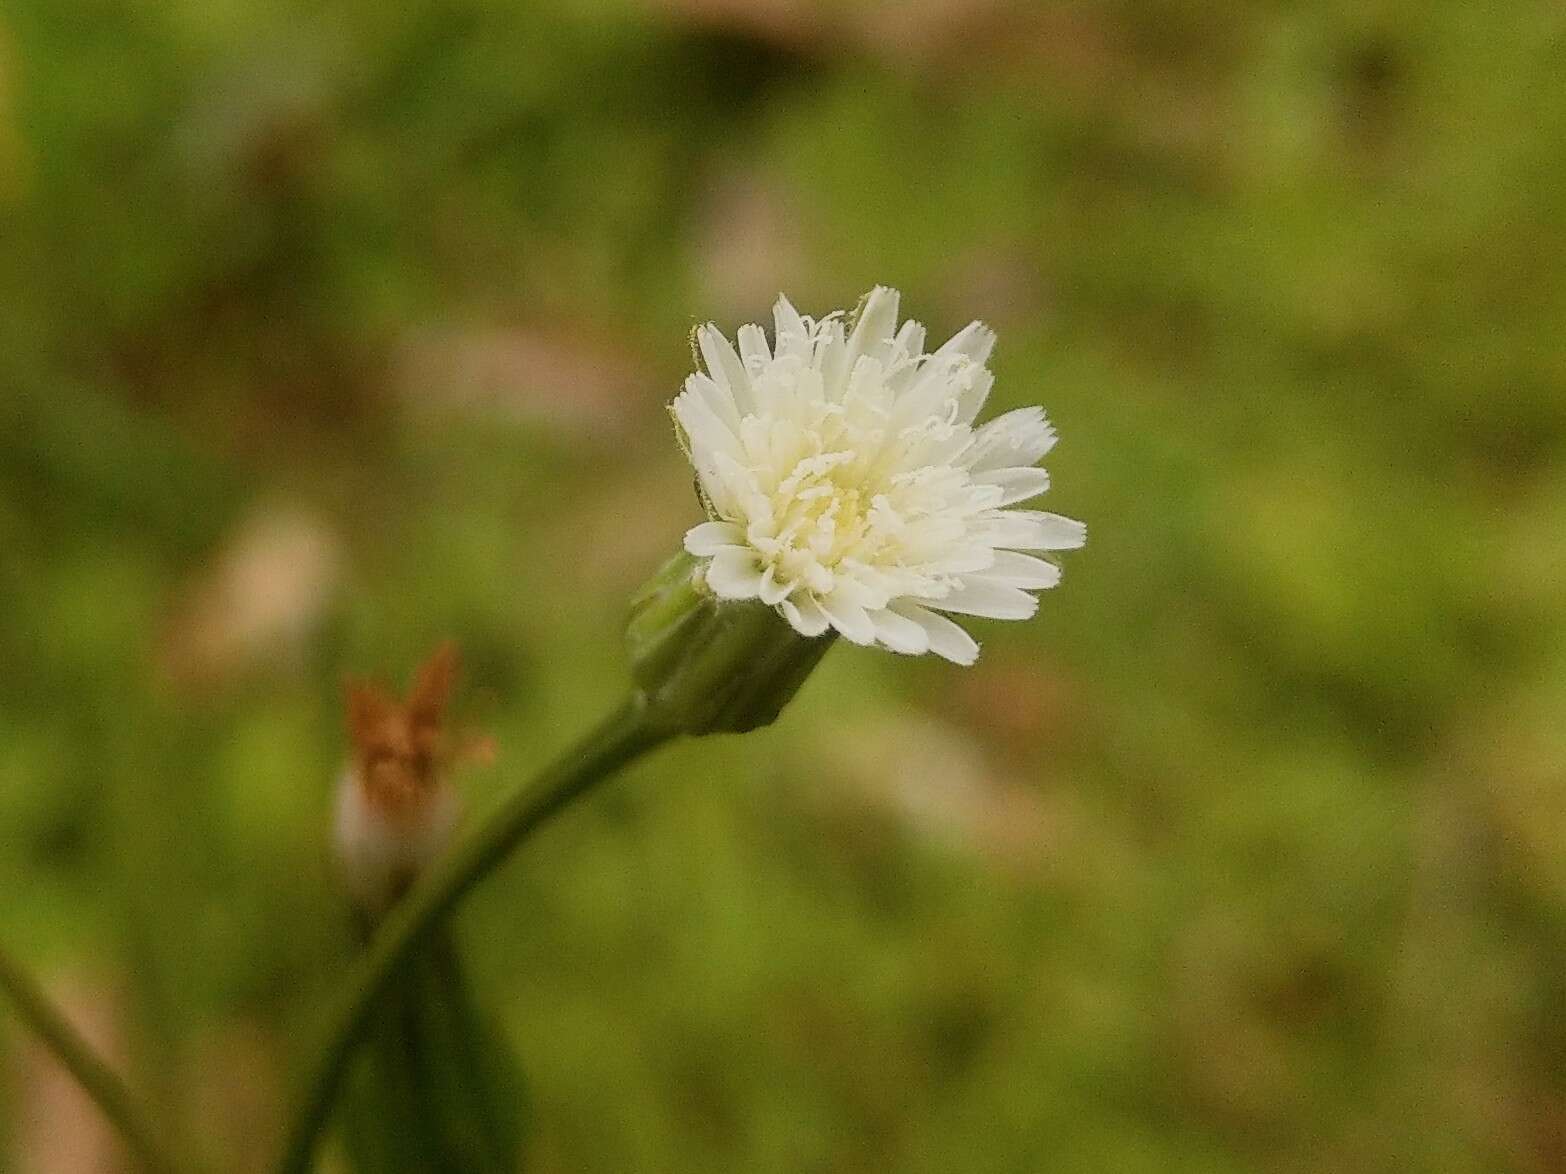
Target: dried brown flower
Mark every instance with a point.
(399, 747)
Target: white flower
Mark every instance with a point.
(848, 487)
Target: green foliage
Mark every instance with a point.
(434, 1088)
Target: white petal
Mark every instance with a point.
(976, 340)
(959, 559)
(899, 633)
(1019, 437)
(1021, 570)
(710, 537)
(971, 399)
(906, 349)
(707, 434)
(771, 592)
(1035, 530)
(851, 620)
(753, 349)
(867, 386)
(832, 359)
(732, 487)
(1017, 484)
(875, 324)
(724, 367)
(785, 318)
(988, 598)
(804, 616)
(733, 574)
(860, 586)
(946, 638)
(953, 373)
(717, 398)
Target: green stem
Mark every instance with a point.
(623, 737)
(100, 1083)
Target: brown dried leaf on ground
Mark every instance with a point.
(545, 375)
(749, 245)
(236, 1095)
(1018, 701)
(1000, 284)
(911, 31)
(615, 539)
(258, 600)
(1238, 1063)
(786, 23)
(930, 31)
(1511, 758)
(937, 780)
(58, 1130)
(1071, 49)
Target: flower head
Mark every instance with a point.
(848, 488)
(396, 807)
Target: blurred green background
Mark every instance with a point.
(331, 332)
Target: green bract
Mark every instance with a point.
(708, 666)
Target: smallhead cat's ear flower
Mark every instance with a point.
(849, 493)
(396, 808)
(849, 488)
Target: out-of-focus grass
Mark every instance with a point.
(327, 335)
